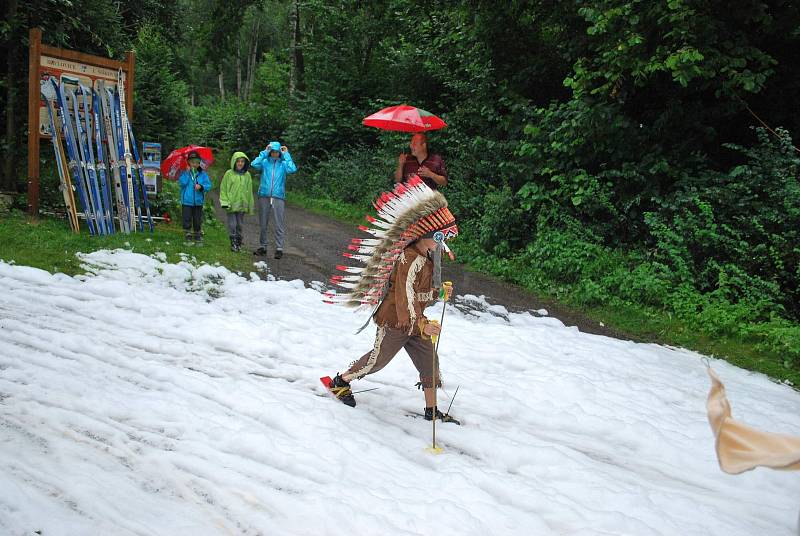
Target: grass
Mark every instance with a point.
(637, 322)
(48, 243)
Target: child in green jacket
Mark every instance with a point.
(236, 196)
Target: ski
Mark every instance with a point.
(127, 193)
(99, 187)
(89, 178)
(65, 184)
(74, 165)
(125, 148)
(111, 154)
(101, 164)
(447, 418)
(140, 172)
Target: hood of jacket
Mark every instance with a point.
(236, 156)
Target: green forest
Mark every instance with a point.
(635, 158)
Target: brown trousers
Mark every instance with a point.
(389, 341)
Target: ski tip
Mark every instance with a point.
(326, 381)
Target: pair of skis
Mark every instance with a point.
(104, 119)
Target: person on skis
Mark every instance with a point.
(402, 277)
(236, 196)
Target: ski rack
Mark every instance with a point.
(102, 162)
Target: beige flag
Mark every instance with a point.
(740, 447)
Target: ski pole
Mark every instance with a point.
(434, 344)
(452, 400)
(444, 294)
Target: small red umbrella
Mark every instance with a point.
(404, 118)
(176, 162)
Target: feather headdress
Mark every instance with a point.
(409, 212)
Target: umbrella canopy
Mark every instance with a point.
(404, 118)
(176, 162)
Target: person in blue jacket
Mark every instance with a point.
(194, 184)
(275, 163)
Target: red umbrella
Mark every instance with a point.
(176, 162)
(404, 118)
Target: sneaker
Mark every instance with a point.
(198, 238)
(188, 236)
(341, 390)
(444, 417)
(234, 245)
(262, 251)
(278, 253)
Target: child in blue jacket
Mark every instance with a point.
(275, 163)
(194, 184)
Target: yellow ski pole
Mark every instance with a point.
(444, 295)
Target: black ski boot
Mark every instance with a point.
(444, 417)
(341, 390)
(278, 253)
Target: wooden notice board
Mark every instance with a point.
(46, 62)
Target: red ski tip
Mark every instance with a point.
(364, 228)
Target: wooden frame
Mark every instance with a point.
(35, 52)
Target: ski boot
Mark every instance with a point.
(341, 390)
(444, 417)
(261, 252)
(278, 253)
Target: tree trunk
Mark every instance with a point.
(8, 180)
(251, 60)
(221, 84)
(239, 69)
(297, 78)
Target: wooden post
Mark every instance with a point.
(34, 52)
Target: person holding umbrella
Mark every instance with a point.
(275, 163)
(194, 183)
(405, 118)
(430, 167)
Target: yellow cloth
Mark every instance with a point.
(740, 447)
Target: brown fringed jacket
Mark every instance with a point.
(409, 293)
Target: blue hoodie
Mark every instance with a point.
(273, 171)
(187, 180)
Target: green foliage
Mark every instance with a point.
(353, 175)
(232, 125)
(271, 88)
(161, 98)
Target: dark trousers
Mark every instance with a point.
(192, 217)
